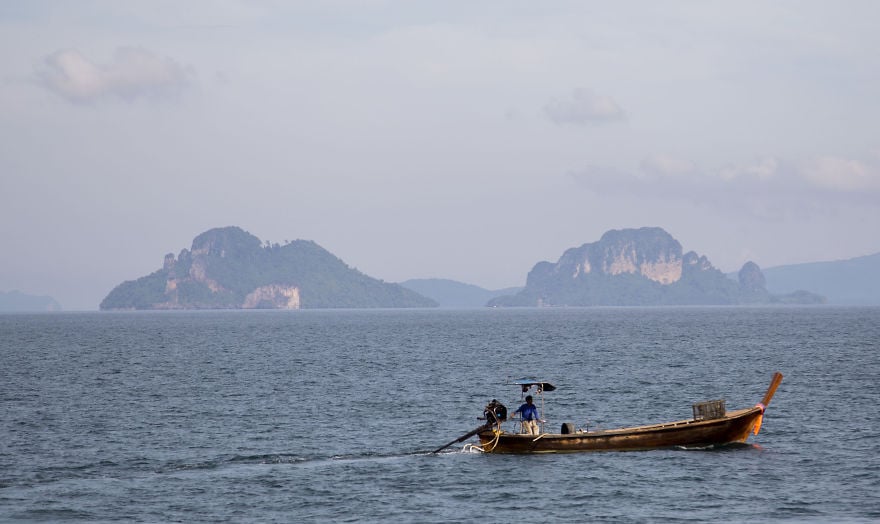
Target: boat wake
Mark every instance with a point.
(319, 460)
(732, 446)
(281, 459)
(219, 462)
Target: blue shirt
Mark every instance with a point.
(528, 411)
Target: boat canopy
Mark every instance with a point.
(527, 383)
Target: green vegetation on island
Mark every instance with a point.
(228, 268)
(641, 267)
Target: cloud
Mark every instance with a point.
(133, 73)
(763, 169)
(843, 174)
(767, 188)
(667, 165)
(583, 107)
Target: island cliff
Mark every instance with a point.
(644, 266)
(228, 268)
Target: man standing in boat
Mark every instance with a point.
(529, 414)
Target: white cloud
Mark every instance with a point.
(767, 188)
(667, 165)
(764, 169)
(133, 73)
(582, 107)
(843, 174)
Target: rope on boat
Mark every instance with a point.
(494, 442)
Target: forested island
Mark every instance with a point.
(229, 268)
(642, 267)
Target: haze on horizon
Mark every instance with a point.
(461, 140)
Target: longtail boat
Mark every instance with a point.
(712, 425)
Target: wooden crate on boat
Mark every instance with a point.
(709, 410)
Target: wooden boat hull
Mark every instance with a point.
(736, 426)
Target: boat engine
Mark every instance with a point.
(495, 413)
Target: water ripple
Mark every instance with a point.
(329, 416)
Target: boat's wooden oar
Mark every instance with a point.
(777, 378)
(466, 436)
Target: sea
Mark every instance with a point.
(332, 416)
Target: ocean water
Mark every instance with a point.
(312, 416)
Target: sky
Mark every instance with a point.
(466, 140)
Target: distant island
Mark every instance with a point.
(853, 282)
(16, 301)
(642, 267)
(453, 294)
(229, 268)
